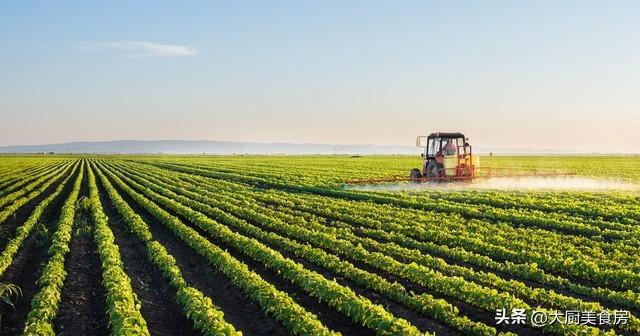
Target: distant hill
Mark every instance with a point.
(208, 147)
(233, 147)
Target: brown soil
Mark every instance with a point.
(83, 299)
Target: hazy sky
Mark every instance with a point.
(507, 73)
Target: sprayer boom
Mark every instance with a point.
(480, 173)
(448, 157)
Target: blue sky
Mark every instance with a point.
(508, 74)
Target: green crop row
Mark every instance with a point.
(10, 180)
(426, 304)
(199, 308)
(23, 178)
(341, 298)
(576, 266)
(455, 287)
(521, 289)
(29, 192)
(22, 232)
(274, 302)
(123, 306)
(44, 305)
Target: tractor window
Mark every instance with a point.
(450, 146)
(433, 146)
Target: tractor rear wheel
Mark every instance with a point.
(415, 175)
(434, 169)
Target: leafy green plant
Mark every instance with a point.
(83, 217)
(8, 292)
(83, 204)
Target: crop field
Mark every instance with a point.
(277, 245)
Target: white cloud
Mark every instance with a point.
(142, 49)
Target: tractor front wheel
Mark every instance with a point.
(415, 175)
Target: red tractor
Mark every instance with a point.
(446, 157)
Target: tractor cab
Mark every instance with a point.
(446, 156)
(440, 144)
